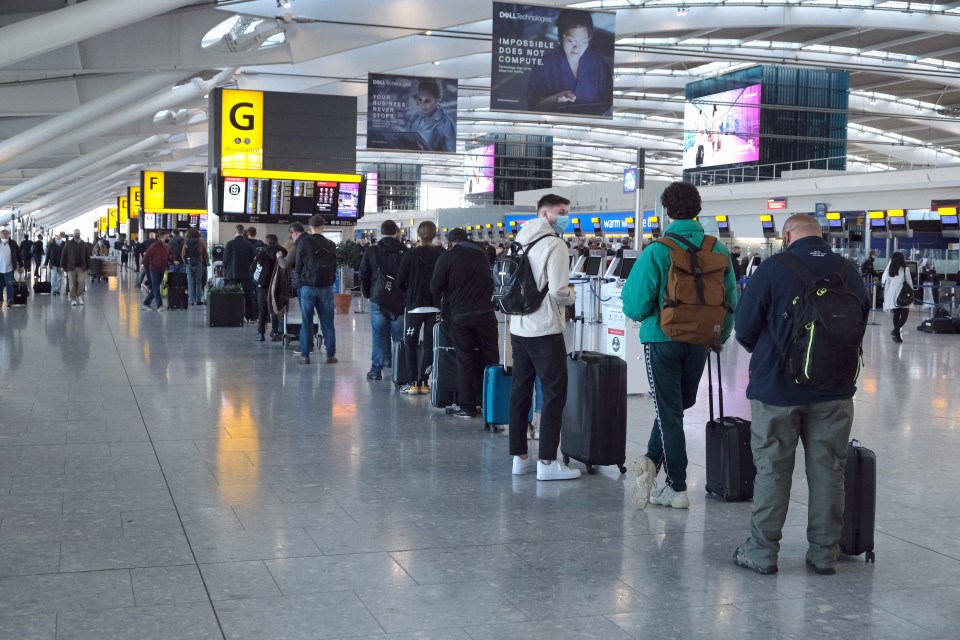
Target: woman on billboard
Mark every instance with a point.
(573, 78)
(430, 121)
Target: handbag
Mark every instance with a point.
(906, 296)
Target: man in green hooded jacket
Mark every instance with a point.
(674, 368)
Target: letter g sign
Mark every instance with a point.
(242, 121)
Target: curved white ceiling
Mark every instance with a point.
(904, 61)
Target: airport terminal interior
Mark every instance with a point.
(164, 479)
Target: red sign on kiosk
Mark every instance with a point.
(776, 204)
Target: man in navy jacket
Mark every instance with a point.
(784, 412)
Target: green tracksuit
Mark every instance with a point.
(674, 368)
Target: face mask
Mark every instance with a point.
(561, 224)
(735, 256)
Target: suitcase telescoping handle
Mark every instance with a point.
(719, 387)
(576, 353)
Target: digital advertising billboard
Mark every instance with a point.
(722, 129)
(411, 113)
(552, 60)
(478, 170)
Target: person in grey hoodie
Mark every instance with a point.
(537, 343)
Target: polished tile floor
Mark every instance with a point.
(162, 479)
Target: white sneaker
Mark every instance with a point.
(80, 300)
(523, 467)
(556, 470)
(670, 498)
(73, 303)
(645, 481)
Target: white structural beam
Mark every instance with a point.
(107, 154)
(74, 23)
(149, 107)
(12, 148)
(94, 180)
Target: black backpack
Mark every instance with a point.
(318, 262)
(827, 326)
(515, 289)
(384, 290)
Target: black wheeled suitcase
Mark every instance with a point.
(594, 427)
(177, 279)
(176, 297)
(443, 374)
(42, 286)
(225, 309)
(730, 469)
(860, 508)
(20, 293)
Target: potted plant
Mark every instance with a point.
(348, 260)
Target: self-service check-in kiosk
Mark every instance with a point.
(621, 334)
(586, 281)
(949, 226)
(723, 227)
(835, 229)
(654, 226)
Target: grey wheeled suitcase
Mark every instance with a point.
(730, 469)
(860, 496)
(594, 427)
(400, 376)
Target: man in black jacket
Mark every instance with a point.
(462, 277)
(52, 263)
(237, 258)
(313, 257)
(416, 271)
(379, 269)
(265, 263)
(26, 253)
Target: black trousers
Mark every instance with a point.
(900, 315)
(413, 324)
(249, 295)
(263, 312)
(544, 356)
(475, 341)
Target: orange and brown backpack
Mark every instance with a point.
(694, 302)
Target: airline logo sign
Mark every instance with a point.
(123, 209)
(112, 218)
(103, 224)
(153, 190)
(133, 200)
(241, 129)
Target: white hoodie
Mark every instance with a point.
(550, 263)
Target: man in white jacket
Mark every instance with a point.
(538, 346)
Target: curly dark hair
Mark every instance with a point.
(682, 201)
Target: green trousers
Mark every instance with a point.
(824, 429)
(674, 370)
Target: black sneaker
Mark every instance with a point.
(463, 414)
(823, 571)
(740, 559)
(276, 338)
(374, 374)
(259, 338)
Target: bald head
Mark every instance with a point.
(800, 225)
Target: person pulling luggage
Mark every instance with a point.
(536, 339)
(801, 389)
(379, 269)
(422, 307)
(675, 358)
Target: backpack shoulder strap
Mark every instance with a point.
(793, 263)
(709, 242)
(670, 243)
(681, 240)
